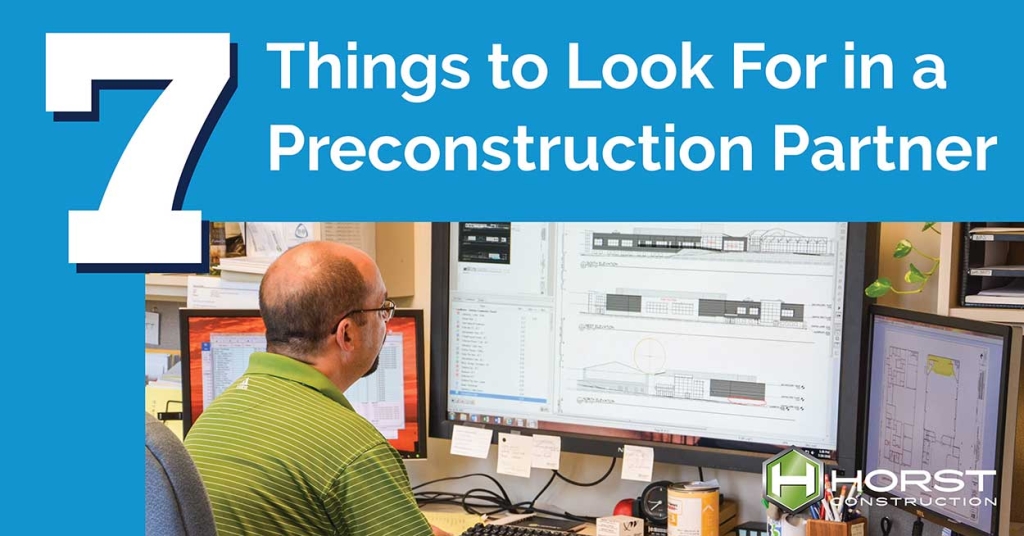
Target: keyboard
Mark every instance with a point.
(509, 530)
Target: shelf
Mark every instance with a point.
(1013, 233)
(167, 287)
(988, 314)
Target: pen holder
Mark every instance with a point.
(817, 527)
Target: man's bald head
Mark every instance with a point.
(307, 290)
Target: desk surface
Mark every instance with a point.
(589, 530)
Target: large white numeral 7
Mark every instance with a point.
(140, 221)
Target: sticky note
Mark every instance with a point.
(547, 451)
(471, 442)
(637, 463)
(515, 455)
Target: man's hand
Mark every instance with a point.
(439, 532)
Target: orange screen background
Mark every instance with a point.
(200, 329)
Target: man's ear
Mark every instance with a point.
(343, 337)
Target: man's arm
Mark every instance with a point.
(372, 497)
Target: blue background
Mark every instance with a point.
(71, 395)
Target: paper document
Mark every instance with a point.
(173, 374)
(157, 363)
(358, 235)
(152, 328)
(247, 265)
(206, 292)
(515, 455)
(271, 239)
(547, 451)
(471, 442)
(1016, 288)
(454, 523)
(998, 230)
(995, 300)
(1011, 294)
(637, 463)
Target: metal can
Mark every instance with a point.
(692, 509)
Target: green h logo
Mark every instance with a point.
(793, 480)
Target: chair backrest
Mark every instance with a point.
(176, 500)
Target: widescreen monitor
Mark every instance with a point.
(718, 344)
(216, 345)
(937, 410)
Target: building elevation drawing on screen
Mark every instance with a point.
(914, 275)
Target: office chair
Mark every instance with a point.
(176, 500)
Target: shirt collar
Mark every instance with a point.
(296, 371)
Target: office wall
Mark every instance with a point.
(888, 266)
(170, 335)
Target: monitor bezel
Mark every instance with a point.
(1005, 332)
(421, 399)
(861, 268)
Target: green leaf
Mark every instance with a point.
(903, 249)
(928, 225)
(914, 275)
(879, 288)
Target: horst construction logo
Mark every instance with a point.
(793, 480)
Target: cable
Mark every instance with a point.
(545, 488)
(482, 501)
(594, 483)
(481, 497)
(568, 480)
(496, 503)
(504, 494)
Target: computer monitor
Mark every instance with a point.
(941, 402)
(216, 345)
(717, 344)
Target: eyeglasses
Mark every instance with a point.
(387, 312)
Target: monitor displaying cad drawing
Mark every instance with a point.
(937, 400)
(725, 335)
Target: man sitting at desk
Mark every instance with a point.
(281, 451)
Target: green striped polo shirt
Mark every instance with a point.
(281, 451)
